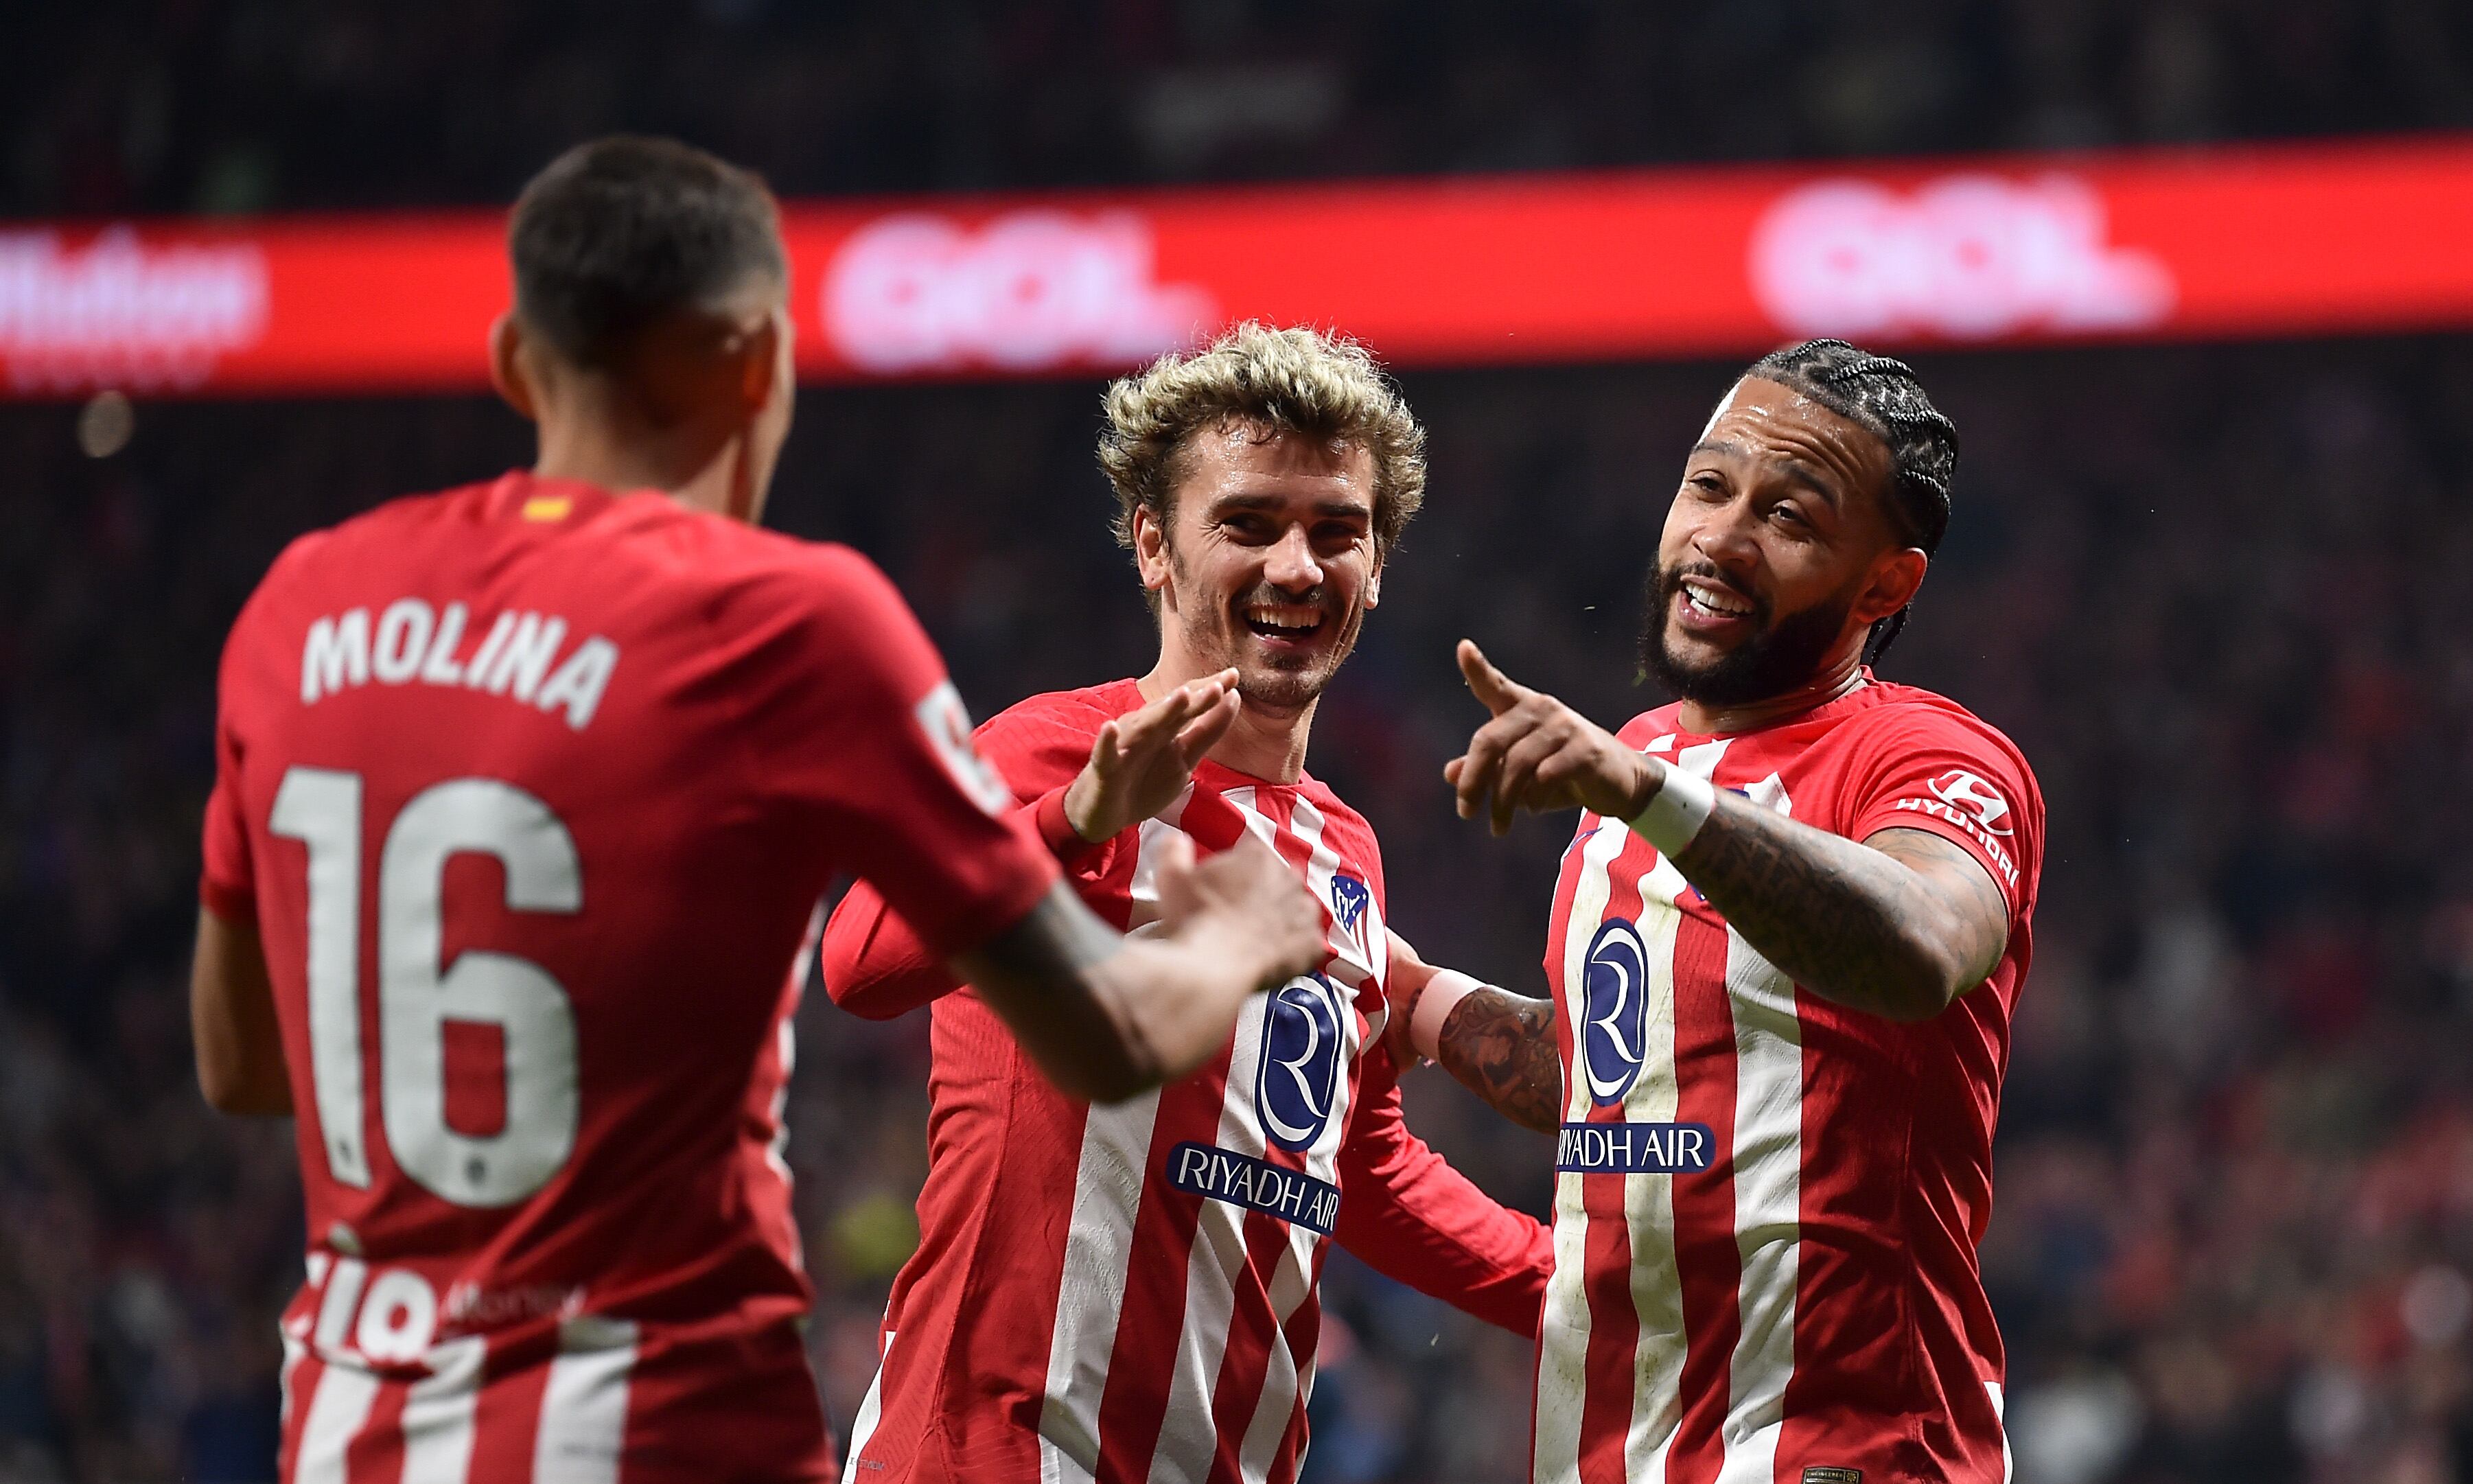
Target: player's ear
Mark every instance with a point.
(1150, 548)
(1895, 577)
(1374, 579)
(763, 352)
(508, 373)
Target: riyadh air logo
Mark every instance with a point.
(1348, 900)
(1961, 789)
(1298, 1085)
(1614, 1025)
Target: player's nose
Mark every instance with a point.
(1291, 562)
(1725, 535)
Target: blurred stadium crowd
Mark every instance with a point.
(240, 105)
(2206, 589)
(2211, 591)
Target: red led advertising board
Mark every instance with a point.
(1467, 271)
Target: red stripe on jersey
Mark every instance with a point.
(376, 1454)
(1304, 1331)
(1706, 1254)
(1614, 1315)
(1129, 1420)
(1247, 1359)
(507, 1418)
(301, 1372)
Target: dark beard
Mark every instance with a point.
(1780, 656)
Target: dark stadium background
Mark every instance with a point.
(2219, 594)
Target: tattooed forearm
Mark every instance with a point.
(1501, 1047)
(1898, 926)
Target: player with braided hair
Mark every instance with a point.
(1783, 961)
(1883, 397)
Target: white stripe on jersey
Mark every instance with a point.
(1769, 1194)
(1287, 1380)
(1107, 1183)
(295, 1351)
(438, 1413)
(2001, 1419)
(1187, 1438)
(1563, 1340)
(584, 1407)
(1648, 1199)
(338, 1407)
(1189, 1435)
(871, 1408)
(1099, 1243)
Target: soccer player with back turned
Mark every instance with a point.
(526, 794)
(1784, 953)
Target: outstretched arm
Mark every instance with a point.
(1899, 925)
(1500, 1045)
(874, 965)
(1415, 1219)
(1107, 1016)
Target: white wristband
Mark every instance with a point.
(1680, 808)
(1434, 1004)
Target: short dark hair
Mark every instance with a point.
(1886, 397)
(621, 233)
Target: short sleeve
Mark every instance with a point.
(861, 724)
(1947, 773)
(226, 885)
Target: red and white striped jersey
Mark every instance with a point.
(1130, 1293)
(1767, 1205)
(531, 790)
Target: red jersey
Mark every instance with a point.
(1130, 1293)
(1767, 1204)
(531, 791)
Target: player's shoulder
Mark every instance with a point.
(1910, 716)
(1054, 728)
(1912, 709)
(325, 563)
(1344, 832)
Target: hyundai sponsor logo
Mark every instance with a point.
(1614, 1020)
(1297, 1086)
(1218, 1174)
(1635, 1148)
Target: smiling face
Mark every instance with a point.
(1266, 561)
(1778, 553)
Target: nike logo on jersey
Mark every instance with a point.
(412, 642)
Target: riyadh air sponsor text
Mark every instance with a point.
(1635, 1148)
(1240, 1180)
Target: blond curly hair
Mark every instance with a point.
(1298, 380)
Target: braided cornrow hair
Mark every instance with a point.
(1884, 396)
